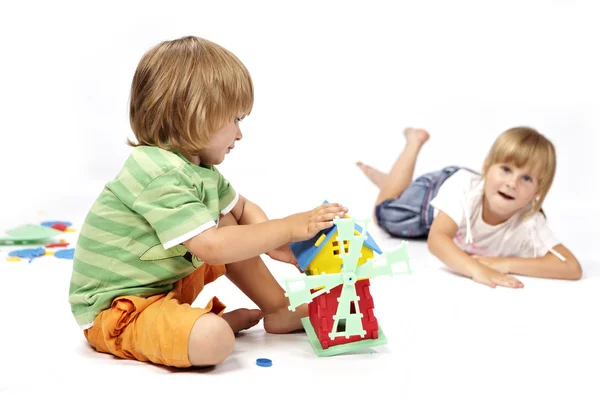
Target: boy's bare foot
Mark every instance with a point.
(414, 135)
(242, 319)
(285, 321)
(375, 176)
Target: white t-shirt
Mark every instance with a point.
(460, 197)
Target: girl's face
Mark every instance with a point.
(507, 190)
(221, 143)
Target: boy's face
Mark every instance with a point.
(221, 143)
(508, 188)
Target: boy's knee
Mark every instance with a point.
(211, 341)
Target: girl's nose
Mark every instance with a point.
(512, 182)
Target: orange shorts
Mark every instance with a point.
(156, 328)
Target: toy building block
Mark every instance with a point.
(28, 234)
(342, 316)
(322, 310)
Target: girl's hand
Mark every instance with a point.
(493, 278)
(496, 263)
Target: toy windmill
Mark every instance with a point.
(341, 317)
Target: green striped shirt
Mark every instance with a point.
(131, 240)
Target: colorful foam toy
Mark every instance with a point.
(338, 264)
(32, 234)
(28, 253)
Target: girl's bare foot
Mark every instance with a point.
(414, 135)
(375, 176)
(242, 319)
(285, 321)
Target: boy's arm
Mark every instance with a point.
(229, 244)
(548, 266)
(246, 212)
(233, 243)
(440, 243)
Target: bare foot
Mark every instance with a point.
(414, 135)
(285, 321)
(242, 319)
(375, 176)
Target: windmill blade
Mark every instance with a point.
(350, 259)
(346, 323)
(298, 290)
(355, 243)
(384, 264)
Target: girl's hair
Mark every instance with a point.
(524, 146)
(185, 89)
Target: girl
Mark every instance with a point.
(484, 226)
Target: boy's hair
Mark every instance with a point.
(524, 146)
(185, 89)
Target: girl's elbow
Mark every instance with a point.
(575, 271)
(431, 243)
(571, 270)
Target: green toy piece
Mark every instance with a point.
(340, 348)
(299, 290)
(28, 234)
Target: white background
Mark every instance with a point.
(335, 82)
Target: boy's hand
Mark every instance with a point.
(306, 225)
(285, 255)
(492, 278)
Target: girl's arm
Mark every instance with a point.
(440, 243)
(548, 266)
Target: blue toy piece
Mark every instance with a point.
(51, 223)
(28, 253)
(264, 362)
(67, 254)
(306, 250)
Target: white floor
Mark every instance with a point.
(448, 337)
(336, 82)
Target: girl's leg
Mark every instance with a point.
(392, 184)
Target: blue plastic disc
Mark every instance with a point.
(28, 253)
(264, 362)
(66, 254)
(50, 223)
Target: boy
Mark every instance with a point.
(169, 223)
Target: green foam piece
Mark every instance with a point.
(340, 348)
(29, 233)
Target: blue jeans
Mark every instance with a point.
(410, 215)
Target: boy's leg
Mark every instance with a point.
(211, 341)
(256, 281)
(401, 173)
(162, 330)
